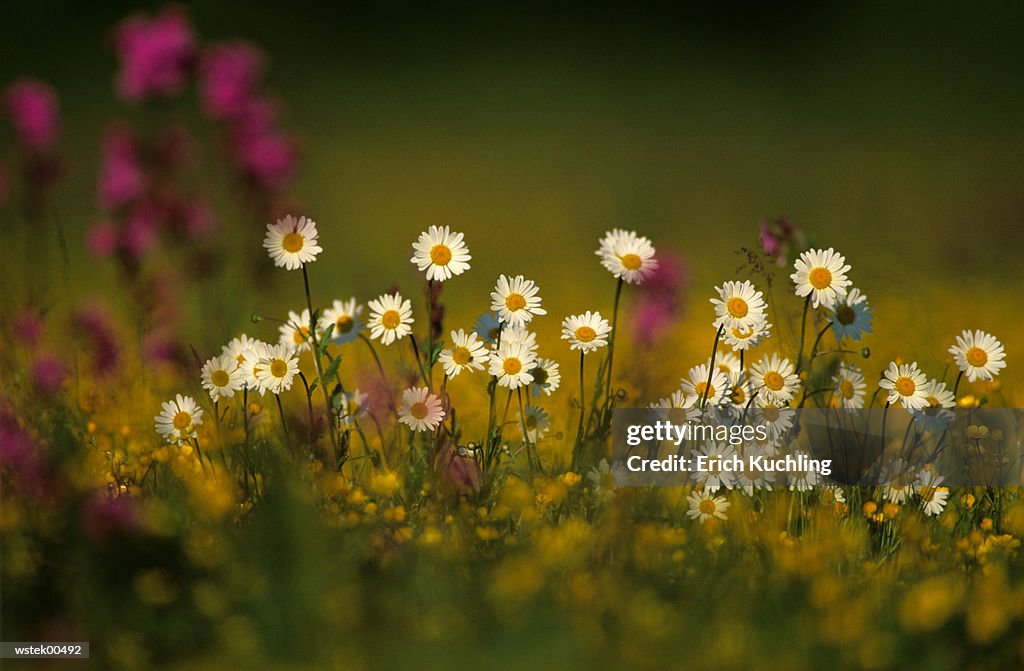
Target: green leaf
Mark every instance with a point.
(436, 353)
(332, 368)
(325, 339)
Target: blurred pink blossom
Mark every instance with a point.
(93, 322)
(156, 54)
(228, 76)
(22, 457)
(32, 105)
(47, 374)
(28, 327)
(778, 237)
(121, 176)
(102, 239)
(104, 516)
(139, 233)
(269, 160)
(660, 300)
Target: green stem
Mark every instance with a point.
(803, 332)
(611, 339)
(419, 360)
(284, 423)
(711, 367)
(332, 455)
(579, 430)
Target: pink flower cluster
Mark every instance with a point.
(34, 111)
(156, 54)
(778, 238)
(660, 300)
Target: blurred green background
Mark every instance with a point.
(892, 133)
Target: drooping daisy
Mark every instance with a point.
(390, 318)
(936, 415)
(704, 506)
(851, 316)
(905, 384)
(178, 419)
(518, 335)
(420, 410)
(821, 274)
(728, 363)
(537, 423)
(441, 252)
(292, 242)
(627, 256)
(344, 316)
(713, 476)
(586, 332)
(487, 327)
(249, 364)
(696, 383)
(467, 352)
(933, 497)
(353, 406)
(222, 376)
(236, 348)
(512, 364)
(978, 354)
(546, 377)
(775, 379)
(738, 305)
(276, 369)
(849, 387)
(295, 332)
(516, 301)
(740, 339)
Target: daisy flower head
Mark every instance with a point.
(586, 332)
(249, 364)
(979, 355)
(821, 274)
(713, 476)
(602, 479)
(420, 410)
(512, 364)
(777, 418)
(905, 384)
(546, 377)
(933, 497)
(292, 242)
(741, 338)
(237, 347)
(222, 376)
(696, 384)
(802, 479)
(851, 316)
(353, 406)
(680, 407)
(899, 481)
(728, 363)
(518, 335)
(849, 387)
(936, 415)
(295, 332)
(738, 305)
(178, 419)
(344, 316)
(516, 301)
(537, 423)
(775, 378)
(627, 256)
(703, 506)
(276, 369)
(390, 318)
(441, 252)
(487, 327)
(467, 352)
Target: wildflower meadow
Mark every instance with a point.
(227, 442)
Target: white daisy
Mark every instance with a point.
(936, 415)
(420, 410)
(292, 242)
(802, 479)
(979, 355)
(513, 364)
(775, 379)
(236, 348)
(740, 339)
(353, 406)
(696, 383)
(467, 352)
(849, 387)
(933, 497)
(178, 419)
(681, 408)
(905, 384)
(738, 305)
(222, 376)
(586, 332)
(627, 256)
(852, 316)
(249, 364)
(537, 423)
(822, 275)
(516, 300)
(518, 335)
(714, 477)
(728, 363)
(487, 327)
(777, 418)
(390, 318)
(751, 480)
(546, 377)
(344, 315)
(899, 481)
(276, 369)
(441, 252)
(295, 332)
(704, 506)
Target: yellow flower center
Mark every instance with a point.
(820, 278)
(932, 401)
(707, 506)
(182, 420)
(846, 389)
(440, 255)
(292, 242)
(741, 334)
(419, 410)
(278, 368)
(220, 378)
(512, 365)
(585, 334)
(515, 302)
(240, 358)
(631, 261)
(845, 315)
(540, 376)
(905, 386)
(531, 422)
(461, 355)
(737, 307)
(770, 414)
(699, 388)
(344, 324)
(300, 335)
(390, 319)
(774, 381)
(976, 357)
(738, 396)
